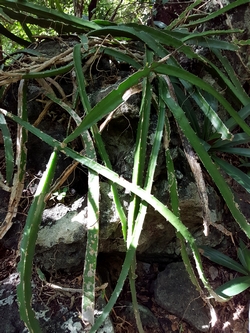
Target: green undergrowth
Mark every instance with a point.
(175, 93)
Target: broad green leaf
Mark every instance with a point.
(108, 103)
(45, 23)
(207, 105)
(222, 259)
(143, 194)
(121, 56)
(182, 74)
(210, 33)
(27, 31)
(234, 287)
(103, 23)
(236, 151)
(242, 42)
(150, 36)
(27, 51)
(96, 134)
(5, 32)
(239, 176)
(48, 13)
(207, 162)
(239, 90)
(243, 113)
(244, 255)
(8, 149)
(212, 43)
(47, 73)
(182, 16)
(27, 247)
(238, 139)
(216, 13)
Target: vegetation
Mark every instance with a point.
(159, 75)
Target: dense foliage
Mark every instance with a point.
(160, 62)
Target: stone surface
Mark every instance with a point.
(175, 292)
(62, 321)
(61, 240)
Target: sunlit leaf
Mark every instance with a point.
(234, 287)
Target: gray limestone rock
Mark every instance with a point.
(61, 321)
(175, 293)
(61, 240)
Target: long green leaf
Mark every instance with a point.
(120, 56)
(116, 97)
(108, 103)
(212, 43)
(211, 114)
(222, 259)
(144, 195)
(216, 13)
(185, 13)
(48, 13)
(136, 215)
(238, 139)
(237, 95)
(240, 177)
(153, 38)
(27, 247)
(47, 73)
(137, 178)
(8, 149)
(209, 33)
(207, 162)
(239, 90)
(244, 256)
(173, 188)
(5, 32)
(140, 153)
(243, 113)
(97, 137)
(182, 74)
(236, 151)
(89, 272)
(45, 23)
(27, 31)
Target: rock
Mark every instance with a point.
(63, 320)
(61, 241)
(9, 315)
(175, 292)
